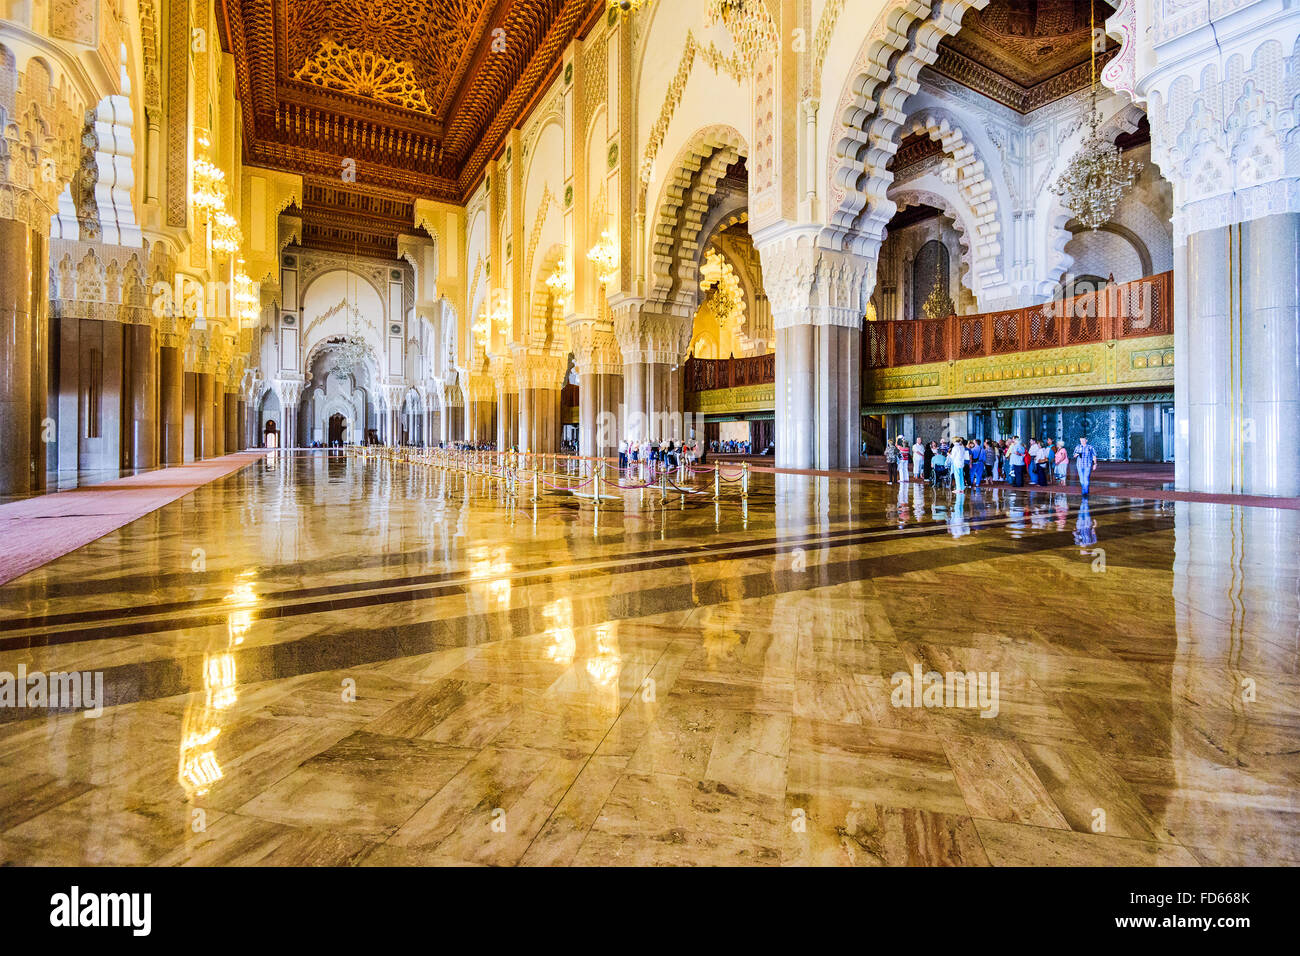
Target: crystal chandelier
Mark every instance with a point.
(226, 237)
(350, 350)
(604, 256)
(750, 25)
(560, 282)
(209, 196)
(245, 297)
(1096, 178)
(208, 193)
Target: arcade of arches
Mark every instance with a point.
(279, 244)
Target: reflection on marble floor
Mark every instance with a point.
(324, 661)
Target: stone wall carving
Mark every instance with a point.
(40, 128)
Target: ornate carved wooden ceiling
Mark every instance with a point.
(1024, 53)
(415, 96)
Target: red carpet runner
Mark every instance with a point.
(38, 530)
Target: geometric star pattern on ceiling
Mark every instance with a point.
(363, 73)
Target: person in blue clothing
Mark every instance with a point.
(1085, 459)
(977, 460)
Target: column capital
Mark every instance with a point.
(1220, 98)
(538, 368)
(595, 347)
(647, 335)
(288, 391)
(809, 285)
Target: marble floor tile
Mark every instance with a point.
(382, 665)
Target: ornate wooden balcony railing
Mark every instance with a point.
(703, 375)
(1132, 309)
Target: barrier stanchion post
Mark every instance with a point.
(744, 481)
(717, 483)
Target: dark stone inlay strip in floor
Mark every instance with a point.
(544, 575)
(150, 680)
(166, 607)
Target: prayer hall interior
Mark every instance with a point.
(649, 432)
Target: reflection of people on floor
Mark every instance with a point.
(1085, 527)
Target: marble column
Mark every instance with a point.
(1242, 405)
(599, 400)
(231, 417)
(171, 391)
(818, 298)
(144, 396)
(16, 391)
(203, 443)
(241, 423)
(539, 413)
(507, 419)
(218, 418)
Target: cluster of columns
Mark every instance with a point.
(93, 392)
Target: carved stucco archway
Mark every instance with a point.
(870, 111)
(976, 189)
(680, 213)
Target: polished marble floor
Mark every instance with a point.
(320, 660)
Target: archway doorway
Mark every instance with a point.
(271, 435)
(338, 429)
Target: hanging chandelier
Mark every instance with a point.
(209, 197)
(604, 256)
(560, 282)
(245, 297)
(750, 25)
(1098, 176)
(226, 237)
(350, 350)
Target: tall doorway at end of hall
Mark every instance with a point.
(338, 429)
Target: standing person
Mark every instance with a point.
(957, 464)
(622, 455)
(918, 458)
(1034, 449)
(1016, 463)
(904, 459)
(1040, 461)
(1061, 461)
(891, 462)
(978, 459)
(1085, 459)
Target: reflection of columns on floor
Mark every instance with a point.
(18, 247)
(818, 299)
(1243, 399)
(143, 357)
(653, 342)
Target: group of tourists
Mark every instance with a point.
(657, 455)
(963, 462)
(732, 447)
